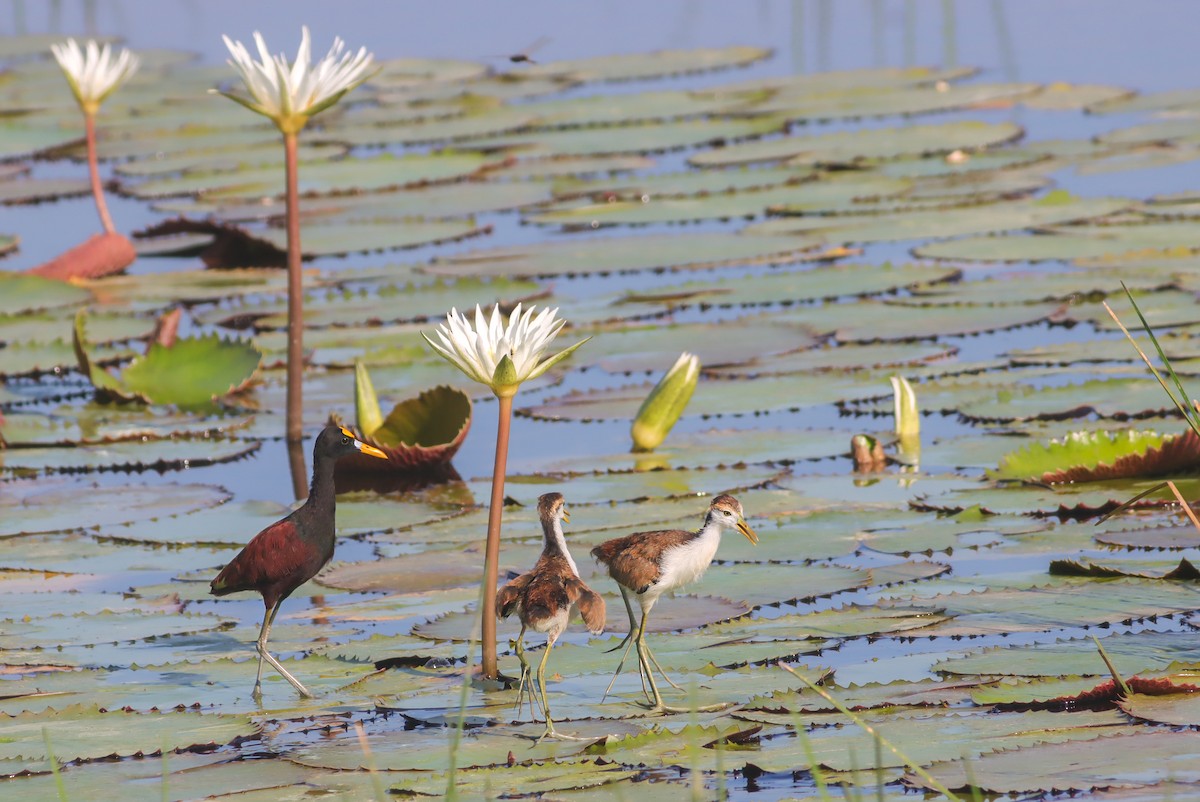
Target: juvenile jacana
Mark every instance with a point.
(543, 598)
(648, 564)
(288, 553)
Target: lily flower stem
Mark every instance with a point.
(295, 355)
(491, 571)
(89, 124)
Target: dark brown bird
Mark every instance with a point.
(543, 598)
(288, 553)
(648, 564)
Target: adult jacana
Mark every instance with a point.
(288, 553)
(648, 564)
(543, 598)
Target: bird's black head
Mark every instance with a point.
(335, 442)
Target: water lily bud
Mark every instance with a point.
(366, 404)
(505, 379)
(665, 404)
(908, 417)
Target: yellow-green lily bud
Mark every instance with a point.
(366, 404)
(908, 421)
(505, 379)
(665, 404)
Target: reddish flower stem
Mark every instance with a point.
(295, 293)
(491, 569)
(89, 124)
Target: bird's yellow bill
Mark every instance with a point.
(566, 517)
(745, 529)
(370, 450)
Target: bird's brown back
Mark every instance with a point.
(635, 560)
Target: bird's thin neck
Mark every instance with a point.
(711, 528)
(321, 495)
(556, 542)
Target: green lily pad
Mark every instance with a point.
(31, 359)
(622, 254)
(562, 166)
(45, 506)
(1106, 241)
(40, 190)
(874, 101)
(629, 139)
(646, 349)
(783, 287)
(192, 372)
(159, 455)
(630, 486)
(928, 738)
(1108, 763)
(850, 146)
(1057, 605)
(648, 65)
(231, 159)
(351, 175)
(440, 200)
(677, 185)
(457, 129)
(1060, 96)
(828, 195)
(1111, 398)
(840, 358)
(1095, 456)
(1131, 653)
(77, 732)
(47, 327)
(942, 223)
(20, 139)
(395, 304)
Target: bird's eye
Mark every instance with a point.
(345, 441)
(728, 513)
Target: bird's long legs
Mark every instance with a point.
(645, 659)
(263, 654)
(522, 685)
(627, 643)
(541, 680)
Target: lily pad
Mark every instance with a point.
(648, 65)
(158, 455)
(1094, 456)
(43, 506)
(847, 147)
(622, 254)
(192, 372)
(351, 175)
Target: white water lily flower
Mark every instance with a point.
(93, 72)
(291, 93)
(497, 355)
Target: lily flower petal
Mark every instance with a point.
(291, 93)
(93, 72)
(478, 349)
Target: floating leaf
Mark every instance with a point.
(649, 65)
(191, 372)
(622, 254)
(158, 455)
(349, 175)
(1110, 763)
(850, 146)
(47, 507)
(1097, 456)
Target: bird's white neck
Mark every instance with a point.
(556, 540)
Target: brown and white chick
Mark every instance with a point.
(543, 598)
(648, 564)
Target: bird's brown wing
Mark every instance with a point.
(509, 596)
(275, 558)
(635, 560)
(591, 605)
